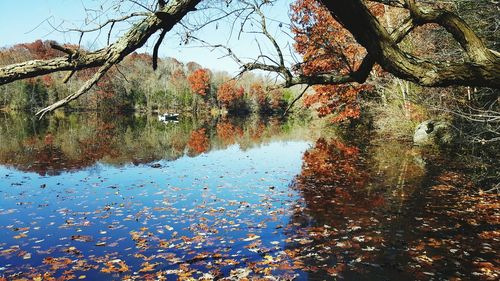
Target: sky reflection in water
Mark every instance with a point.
(134, 199)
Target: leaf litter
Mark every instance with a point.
(248, 223)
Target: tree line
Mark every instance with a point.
(135, 86)
(418, 57)
(69, 142)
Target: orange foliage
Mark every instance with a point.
(142, 57)
(113, 267)
(199, 81)
(57, 263)
(257, 92)
(327, 47)
(39, 49)
(198, 142)
(228, 132)
(336, 172)
(229, 93)
(271, 100)
(333, 161)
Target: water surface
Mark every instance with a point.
(130, 198)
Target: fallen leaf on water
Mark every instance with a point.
(251, 237)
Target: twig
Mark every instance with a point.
(295, 100)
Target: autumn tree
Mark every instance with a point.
(40, 50)
(230, 96)
(198, 142)
(199, 80)
(227, 132)
(259, 96)
(327, 47)
(478, 65)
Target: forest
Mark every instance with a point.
(357, 140)
(174, 86)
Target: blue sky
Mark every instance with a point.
(27, 21)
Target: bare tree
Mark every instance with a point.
(479, 67)
(161, 20)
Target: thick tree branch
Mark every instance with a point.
(157, 47)
(457, 27)
(104, 58)
(355, 16)
(359, 76)
(36, 68)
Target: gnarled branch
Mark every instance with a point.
(359, 76)
(483, 69)
(104, 58)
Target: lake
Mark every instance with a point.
(93, 197)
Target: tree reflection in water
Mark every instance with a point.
(379, 213)
(357, 210)
(76, 141)
(198, 142)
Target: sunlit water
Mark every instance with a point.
(133, 198)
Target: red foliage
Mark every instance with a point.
(198, 142)
(229, 93)
(257, 92)
(143, 57)
(228, 133)
(327, 47)
(333, 161)
(39, 49)
(199, 81)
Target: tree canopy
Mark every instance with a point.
(352, 36)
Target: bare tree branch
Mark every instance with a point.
(91, 82)
(157, 47)
(295, 100)
(483, 70)
(461, 31)
(481, 66)
(104, 58)
(110, 21)
(359, 76)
